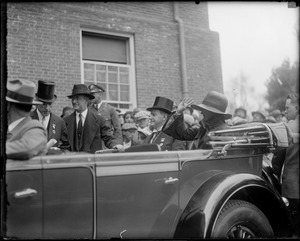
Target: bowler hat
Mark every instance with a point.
(95, 88)
(22, 92)
(214, 102)
(81, 89)
(46, 91)
(163, 104)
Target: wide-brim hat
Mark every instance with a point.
(81, 89)
(214, 102)
(95, 88)
(46, 91)
(163, 104)
(21, 92)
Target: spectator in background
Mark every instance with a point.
(239, 117)
(129, 117)
(66, 111)
(258, 116)
(188, 110)
(87, 129)
(290, 173)
(136, 110)
(106, 110)
(277, 115)
(55, 125)
(160, 112)
(213, 110)
(121, 116)
(142, 119)
(25, 138)
(129, 131)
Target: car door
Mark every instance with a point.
(137, 195)
(69, 200)
(24, 207)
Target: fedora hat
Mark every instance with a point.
(163, 104)
(22, 92)
(46, 91)
(95, 88)
(214, 102)
(81, 89)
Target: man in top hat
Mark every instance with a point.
(213, 109)
(87, 129)
(55, 125)
(160, 112)
(25, 138)
(105, 110)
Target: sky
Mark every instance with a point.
(254, 38)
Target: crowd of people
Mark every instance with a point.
(91, 125)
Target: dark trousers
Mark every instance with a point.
(294, 210)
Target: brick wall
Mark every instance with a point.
(43, 42)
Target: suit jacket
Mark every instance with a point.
(166, 142)
(56, 130)
(111, 118)
(26, 140)
(94, 131)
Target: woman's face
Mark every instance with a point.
(128, 118)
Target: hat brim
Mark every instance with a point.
(46, 101)
(158, 108)
(211, 109)
(34, 102)
(86, 94)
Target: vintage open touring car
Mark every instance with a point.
(223, 192)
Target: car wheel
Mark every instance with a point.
(241, 219)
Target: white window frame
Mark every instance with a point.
(132, 78)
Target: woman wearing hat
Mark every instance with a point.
(26, 138)
(55, 125)
(213, 109)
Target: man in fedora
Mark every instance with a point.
(25, 138)
(105, 110)
(55, 125)
(87, 129)
(213, 109)
(160, 112)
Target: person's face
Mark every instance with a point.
(207, 115)
(98, 97)
(241, 114)
(143, 122)
(291, 110)
(257, 117)
(129, 119)
(45, 109)
(157, 119)
(79, 103)
(129, 134)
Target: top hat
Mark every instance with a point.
(81, 89)
(214, 102)
(95, 88)
(22, 92)
(46, 91)
(163, 104)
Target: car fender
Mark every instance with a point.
(202, 210)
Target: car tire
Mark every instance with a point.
(241, 219)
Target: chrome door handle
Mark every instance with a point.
(171, 180)
(25, 193)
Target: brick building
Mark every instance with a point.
(135, 50)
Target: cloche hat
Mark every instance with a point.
(214, 102)
(22, 92)
(81, 89)
(163, 104)
(46, 91)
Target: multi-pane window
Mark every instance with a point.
(107, 62)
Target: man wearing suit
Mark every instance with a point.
(106, 110)
(55, 125)
(25, 138)
(87, 129)
(159, 114)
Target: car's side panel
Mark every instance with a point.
(25, 199)
(132, 194)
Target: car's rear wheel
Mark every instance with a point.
(241, 219)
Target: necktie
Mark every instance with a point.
(96, 106)
(44, 122)
(79, 132)
(154, 135)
